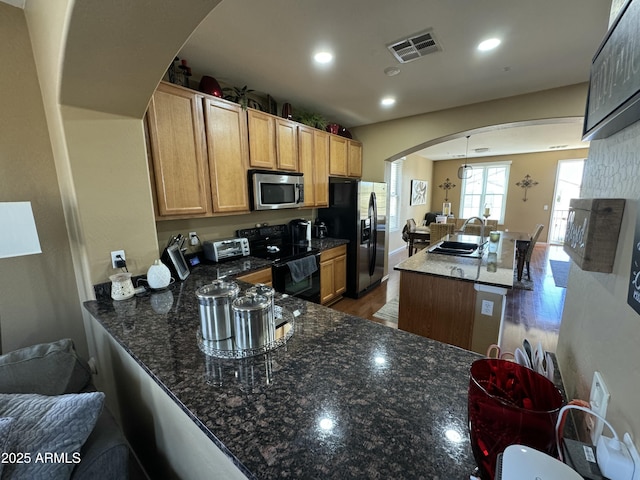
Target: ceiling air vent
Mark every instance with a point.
(414, 47)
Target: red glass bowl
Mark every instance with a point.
(510, 404)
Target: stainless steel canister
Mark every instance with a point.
(253, 322)
(266, 291)
(216, 316)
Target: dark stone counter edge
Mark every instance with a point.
(93, 303)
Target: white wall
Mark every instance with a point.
(599, 331)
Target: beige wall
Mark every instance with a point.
(520, 216)
(397, 138)
(599, 331)
(413, 168)
(38, 293)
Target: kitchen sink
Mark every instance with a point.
(456, 248)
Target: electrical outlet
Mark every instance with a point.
(487, 307)
(114, 258)
(599, 400)
(193, 238)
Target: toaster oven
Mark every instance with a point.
(220, 250)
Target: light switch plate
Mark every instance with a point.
(599, 400)
(487, 307)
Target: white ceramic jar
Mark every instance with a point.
(158, 275)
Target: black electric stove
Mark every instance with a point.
(273, 243)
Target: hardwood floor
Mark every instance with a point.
(533, 314)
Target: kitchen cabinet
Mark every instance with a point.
(198, 150)
(259, 276)
(338, 153)
(354, 166)
(227, 148)
(313, 156)
(178, 153)
(273, 141)
(345, 157)
(333, 274)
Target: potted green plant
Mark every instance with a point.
(241, 97)
(311, 119)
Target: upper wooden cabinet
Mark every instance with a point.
(313, 156)
(287, 144)
(354, 166)
(179, 165)
(273, 141)
(226, 128)
(345, 158)
(338, 153)
(198, 150)
(262, 140)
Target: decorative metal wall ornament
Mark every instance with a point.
(527, 182)
(446, 186)
(465, 170)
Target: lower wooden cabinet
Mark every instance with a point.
(259, 276)
(333, 274)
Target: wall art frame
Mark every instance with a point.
(613, 98)
(418, 192)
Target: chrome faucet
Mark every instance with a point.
(464, 225)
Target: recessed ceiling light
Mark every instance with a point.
(323, 57)
(387, 101)
(489, 44)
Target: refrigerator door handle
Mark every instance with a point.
(373, 240)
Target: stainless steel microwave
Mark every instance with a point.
(271, 190)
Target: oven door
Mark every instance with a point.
(307, 289)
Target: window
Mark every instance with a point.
(395, 182)
(486, 187)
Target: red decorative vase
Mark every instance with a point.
(333, 128)
(210, 86)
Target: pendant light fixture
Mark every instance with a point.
(464, 171)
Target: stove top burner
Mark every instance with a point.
(283, 253)
(272, 243)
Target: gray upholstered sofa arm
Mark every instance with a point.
(55, 369)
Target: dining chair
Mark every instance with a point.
(439, 230)
(532, 243)
(415, 241)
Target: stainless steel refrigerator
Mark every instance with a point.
(358, 212)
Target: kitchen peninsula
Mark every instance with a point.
(458, 299)
(343, 398)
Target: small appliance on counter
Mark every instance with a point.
(319, 229)
(219, 250)
(300, 231)
(173, 258)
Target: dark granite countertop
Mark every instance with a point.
(344, 398)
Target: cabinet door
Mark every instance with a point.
(178, 152)
(262, 140)
(326, 281)
(306, 163)
(338, 152)
(226, 125)
(340, 274)
(355, 159)
(286, 144)
(321, 167)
